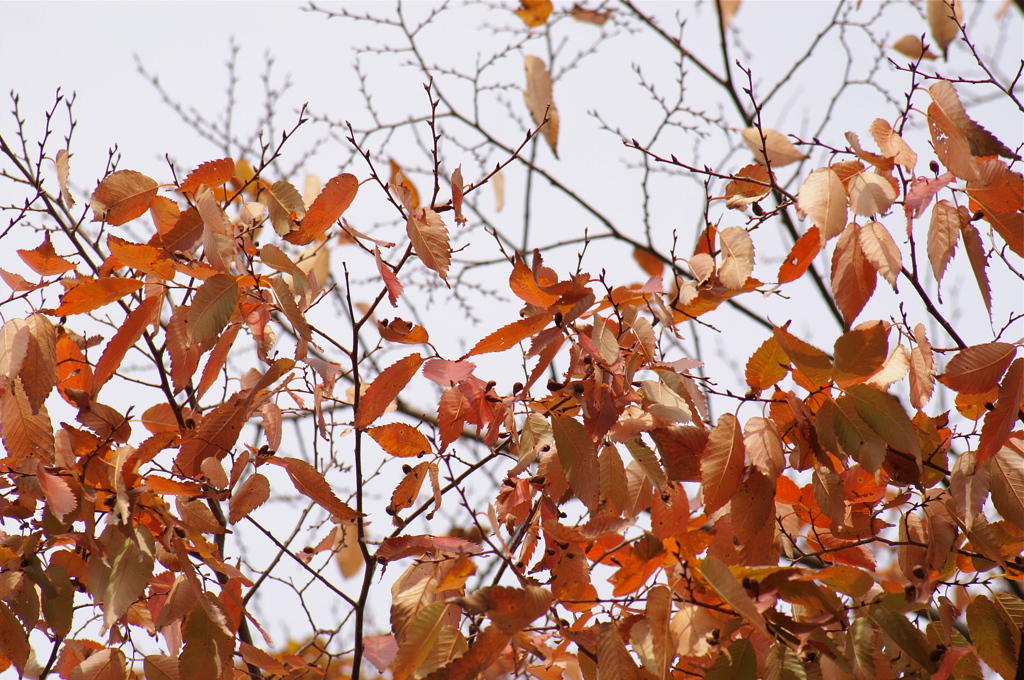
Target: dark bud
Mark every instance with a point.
(934, 166)
(989, 406)
(406, 469)
(665, 496)
(550, 551)
(519, 565)
(562, 515)
(508, 482)
(390, 510)
(385, 322)
(539, 479)
(578, 388)
(977, 216)
(490, 386)
(918, 572)
(563, 546)
(554, 386)
(810, 656)
(936, 654)
(757, 209)
(517, 388)
(558, 319)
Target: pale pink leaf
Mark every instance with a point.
(943, 235)
(447, 373)
(881, 251)
(391, 282)
(737, 257)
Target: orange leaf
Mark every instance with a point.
(943, 234)
(216, 435)
(979, 368)
(250, 494)
(44, 260)
(384, 388)
(451, 416)
(524, 284)
(721, 466)
(23, 432)
(814, 364)
(578, 457)
(336, 197)
(400, 439)
(1000, 421)
(650, 263)
(310, 483)
(515, 332)
(411, 200)
(892, 145)
(534, 13)
(976, 254)
(739, 193)
(144, 258)
(93, 294)
(73, 371)
(211, 174)
(429, 239)
(853, 277)
(408, 489)
(126, 336)
(400, 330)
(218, 357)
(768, 364)
(38, 371)
(122, 196)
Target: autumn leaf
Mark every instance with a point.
(809, 360)
(578, 457)
(94, 293)
(801, 255)
(512, 334)
(721, 465)
(879, 248)
(823, 199)
(310, 483)
(144, 258)
(737, 257)
(457, 195)
(539, 100)
(410, 197)
(780, 151)
(124, 339)
(122, 196)
(739, 193)
(429, 239)
(944, 20)
(853, 276)
(213, 306)
(384, 388)
(44, 260)
(211, 174)
(62, 165)
(892, 145)
(400, 330)
(999, 422)
(979, 368)
(534, 13)
(590, 16)
(859, 353)
(335, 198)
(922, 369)
(285, 205)
(400, 440)
(911, 46)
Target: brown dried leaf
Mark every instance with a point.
(721, 466)
(429, 239)
(779, 149)
(853, 277)
(944, 22)
(63, 170)
(251, 494)
(539, 100)
(911, 46)
(823, 199)
(737, 257)
(122, 196)
(922, 369)
(881, 251)
(739, 193)
(310, 483)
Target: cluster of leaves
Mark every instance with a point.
(632, 534)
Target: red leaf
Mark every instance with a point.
(513, 333)
(333, 201)
(211, 173)
(800, 256)
(451, 416)
(384, 388)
